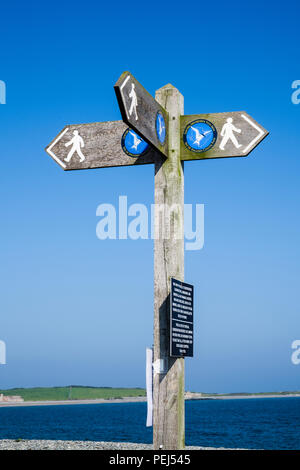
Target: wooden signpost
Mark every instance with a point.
(159, 133)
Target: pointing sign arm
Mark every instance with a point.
(96, 145)
(219, 135)
(142, 112)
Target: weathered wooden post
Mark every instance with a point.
(168, 380)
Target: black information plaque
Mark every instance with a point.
(181, 319)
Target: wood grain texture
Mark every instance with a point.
(102, 147)
(147, 109)
(240, 120)
(168, 387)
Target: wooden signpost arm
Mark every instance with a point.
(168, 380)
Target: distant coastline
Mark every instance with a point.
(239, 396)
(74, 402)
(142, 398)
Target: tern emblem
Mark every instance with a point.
(199, 135)
(136, 140)
(161, 126)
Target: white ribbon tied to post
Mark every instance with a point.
(149, 386)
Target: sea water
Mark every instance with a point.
(256, 423)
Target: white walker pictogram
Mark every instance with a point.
(77, 143)
(227, 133)
(134, 102)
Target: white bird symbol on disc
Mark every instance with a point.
(136, 140)
(199, 135)
(161, 126)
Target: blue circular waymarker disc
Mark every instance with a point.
(132, 144)
(200, 135)
(160, 127)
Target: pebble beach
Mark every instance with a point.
(10, 444)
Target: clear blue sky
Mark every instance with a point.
(74, 309)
